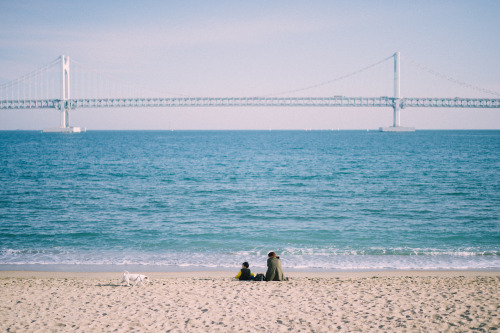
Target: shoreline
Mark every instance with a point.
(102, 268)
(230, 273)
(201, 301)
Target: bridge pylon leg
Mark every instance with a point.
(64, 118)
(397, 115)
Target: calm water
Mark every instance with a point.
(323, 200)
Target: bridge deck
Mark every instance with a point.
(336, 101)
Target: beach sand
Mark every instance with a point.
(214, 302)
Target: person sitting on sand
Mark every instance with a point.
(274, 270)
(245, 274)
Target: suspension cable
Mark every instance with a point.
(29, 75)
(451, 79)
(126, 84)
(324, 83)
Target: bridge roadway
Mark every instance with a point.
(336, 101)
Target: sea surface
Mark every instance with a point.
(188, 200)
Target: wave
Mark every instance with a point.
(232, 260)
(376, 251)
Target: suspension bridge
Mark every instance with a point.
(54, 87)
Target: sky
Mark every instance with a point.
(261, 48)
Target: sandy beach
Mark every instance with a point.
(215, 302)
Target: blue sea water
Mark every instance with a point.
(323, 200)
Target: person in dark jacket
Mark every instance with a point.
(274, 269)
(245, 274)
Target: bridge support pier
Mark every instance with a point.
(64, 117)
(396, 125)
(397, 115)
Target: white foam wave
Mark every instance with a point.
(329, 262)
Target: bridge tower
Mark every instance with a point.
(65, 91)
(65, 101)
(396, 126)
(397, 89)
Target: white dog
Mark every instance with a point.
(127, 277)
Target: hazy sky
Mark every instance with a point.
(256, 48)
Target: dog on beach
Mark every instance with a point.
(135, 278)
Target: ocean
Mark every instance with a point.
(209, 200)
